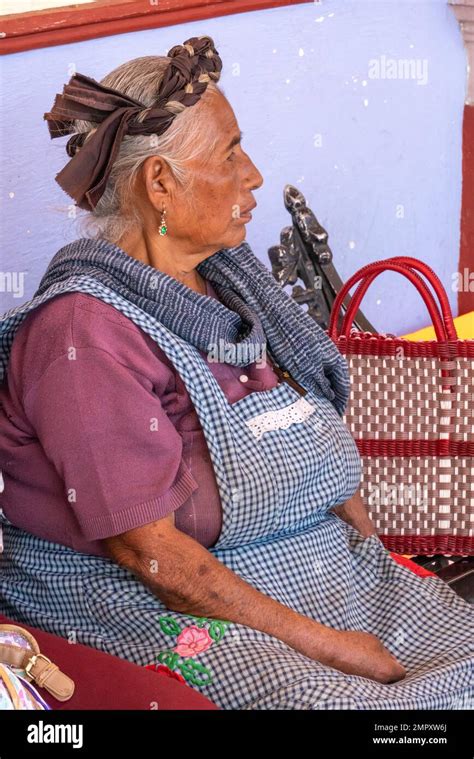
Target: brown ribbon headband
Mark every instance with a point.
(193, 65)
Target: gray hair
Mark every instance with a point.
(185, 139)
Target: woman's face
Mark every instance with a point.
(211, 214)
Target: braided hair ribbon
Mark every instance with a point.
(193, 65)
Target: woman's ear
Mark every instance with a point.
(157, 181)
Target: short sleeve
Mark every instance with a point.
(104, 429)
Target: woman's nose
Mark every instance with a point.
(253, 176)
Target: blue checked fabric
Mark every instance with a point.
(281, 462)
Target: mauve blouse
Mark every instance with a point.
(98, 433)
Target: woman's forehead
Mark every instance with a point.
(222, 113)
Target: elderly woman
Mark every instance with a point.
(180, 488)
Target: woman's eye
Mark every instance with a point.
(231, 157)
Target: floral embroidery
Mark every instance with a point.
(162, 670)
(192, 640)
(169, 626)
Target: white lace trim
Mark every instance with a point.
(284, 417)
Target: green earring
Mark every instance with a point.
(163, 227)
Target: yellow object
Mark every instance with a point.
(464, 327)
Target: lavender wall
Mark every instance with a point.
(359, 104)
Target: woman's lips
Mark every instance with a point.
(247, 214)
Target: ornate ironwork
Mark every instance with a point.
(304, 254)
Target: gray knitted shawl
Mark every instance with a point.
(255, 312)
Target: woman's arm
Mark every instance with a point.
(189, 579)
(355, 513)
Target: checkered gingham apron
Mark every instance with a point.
(281, 460)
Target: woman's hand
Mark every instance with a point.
(363, 654)
(354, 513)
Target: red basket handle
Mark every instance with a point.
(437, 285)
(368, 273)
(433, 279)
(364, 286)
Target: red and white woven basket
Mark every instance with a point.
(411, 412)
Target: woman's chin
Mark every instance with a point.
(240, 232)
(234, 236)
